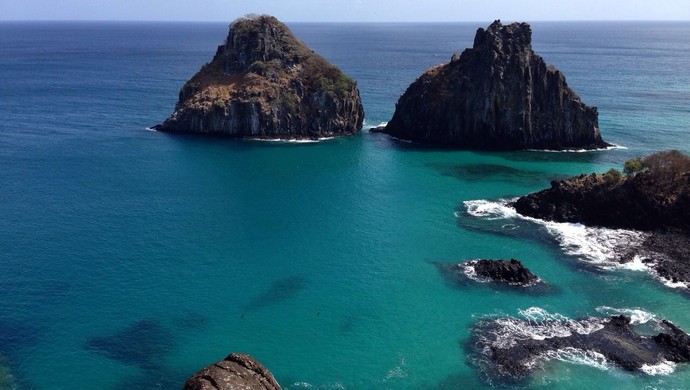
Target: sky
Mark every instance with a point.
(346, 10)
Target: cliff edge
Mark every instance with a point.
(498, 95)
(265, 83)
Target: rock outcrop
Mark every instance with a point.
(264, 83)
(512, 349)
(655, 199)
(498, 95)
(235, 372)
(501, 271)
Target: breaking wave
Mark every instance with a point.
(535, 323)
(601, 247)
(538, 324)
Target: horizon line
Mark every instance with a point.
(343, 22)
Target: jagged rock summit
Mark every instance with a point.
(498, 95)
(264, 83)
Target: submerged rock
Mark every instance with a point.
(235, 372)
(511, 349)
(497, 95)
(265, 83)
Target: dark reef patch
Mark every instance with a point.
(143, 343)
(504, 173)
(280, 290)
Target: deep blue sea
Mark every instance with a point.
(129, 259)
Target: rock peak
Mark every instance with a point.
(257, 38)
(263, 82)
(498, 94)
(497, 34)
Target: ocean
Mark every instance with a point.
(129, 259)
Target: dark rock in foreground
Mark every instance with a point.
(235, 372)
(264, 83)
(510, 272)
(498, 95)
(507, 351)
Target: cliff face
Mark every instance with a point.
(264, 83)
(497, 95)
(657, 198)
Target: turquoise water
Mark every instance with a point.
(131, 258)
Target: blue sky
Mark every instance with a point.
(346, 10)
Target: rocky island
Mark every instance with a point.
(263, 83)
(652, 195)
(498, 95)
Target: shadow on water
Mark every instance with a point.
(454, 278)
(496, 172)
(143, 343)
(15, 335)
(280, 290)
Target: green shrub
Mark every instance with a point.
(613, 176)
(633, 167)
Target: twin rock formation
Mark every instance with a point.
(264, 83)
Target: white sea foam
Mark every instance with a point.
(366, 124)
(150, 129)
(637, 316)
(292, 141)
(491, 210)
(578, 356)
(672, 284)
(597, 246)
(469, 271)
(539, 324)
(663, 368)
(612, 147)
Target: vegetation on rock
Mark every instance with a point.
(654, 194)
(265, 83)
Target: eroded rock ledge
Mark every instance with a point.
(264, 83)
(511, 349)
(654, 196)
(497, 95)
(235, 372)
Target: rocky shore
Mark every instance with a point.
(498, 95)
(511, 349)
(235, 372)
(653, 196)
(506, 272)
(263, 83)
